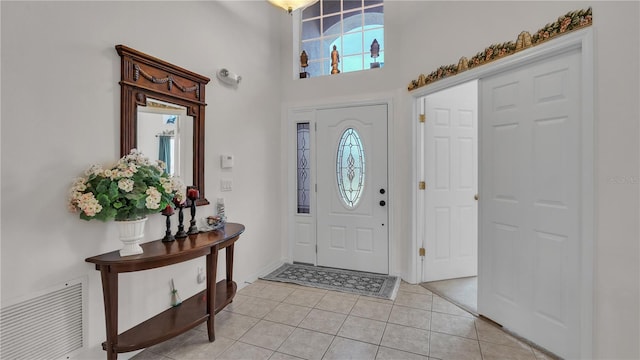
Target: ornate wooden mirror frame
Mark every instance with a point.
(145, 76)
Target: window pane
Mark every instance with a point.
(352, 43)
(350, 167)
(315, 68)
(311, 11)
(370, 35)
(330, 7)
(310, 29)
(377, 9)
(327, 66)
(327, 46)
(351, 4)
(352, 21)
(312, 48)
(331, 25)
(304, 168)
(372, 2)
(381, 58)
(376, 33)
(352, 63)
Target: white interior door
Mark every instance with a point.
(451, 176)
(352, 192)
(529, 202)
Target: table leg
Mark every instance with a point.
(212, 266)
(110, 295)
(229, 253)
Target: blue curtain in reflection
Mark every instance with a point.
(164, 153)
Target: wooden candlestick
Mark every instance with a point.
(193, 229)
(181, 234)
(168, 237)
(193, 194)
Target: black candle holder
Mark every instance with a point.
(168, 237)
(193, 229)
(181, 234)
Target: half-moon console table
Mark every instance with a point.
(176, 320)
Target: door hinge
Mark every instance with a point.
(316, 187)
(316, 249)
(423, 117)
(315, 126)
(422, 251)
(422, 185)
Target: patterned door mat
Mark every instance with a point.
(355, 282)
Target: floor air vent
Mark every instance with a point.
(46, 327)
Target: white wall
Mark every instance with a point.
(422, 35)
(60, 114)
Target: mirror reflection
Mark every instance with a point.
(165, 132)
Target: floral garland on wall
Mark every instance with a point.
(571, 21)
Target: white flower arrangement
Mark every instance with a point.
(131, 189)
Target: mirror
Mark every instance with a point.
(163, 104)
(164, 132)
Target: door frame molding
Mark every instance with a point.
(583, 40)
(294, 112)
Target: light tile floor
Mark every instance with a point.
(270, 320)
(462, 291)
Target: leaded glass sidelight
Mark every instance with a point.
(350, 162)
(304, 181)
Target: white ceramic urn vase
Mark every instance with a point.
(131, 233)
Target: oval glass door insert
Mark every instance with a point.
(350, 162)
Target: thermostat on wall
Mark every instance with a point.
(226, 161)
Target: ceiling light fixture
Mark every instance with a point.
(291, 5)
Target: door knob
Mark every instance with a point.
(476, 197)
(382, 203)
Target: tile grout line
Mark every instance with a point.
(297, 327)
(381, 338)
(431, 326)
(289, 336)
(254, 325)
(475, 326)
(356, 299)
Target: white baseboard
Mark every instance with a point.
(265, 270)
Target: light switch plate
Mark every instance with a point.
(226, 185)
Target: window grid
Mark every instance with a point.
(320, 63)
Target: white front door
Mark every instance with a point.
(352, 193)
(451, 175)
(530, 206)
